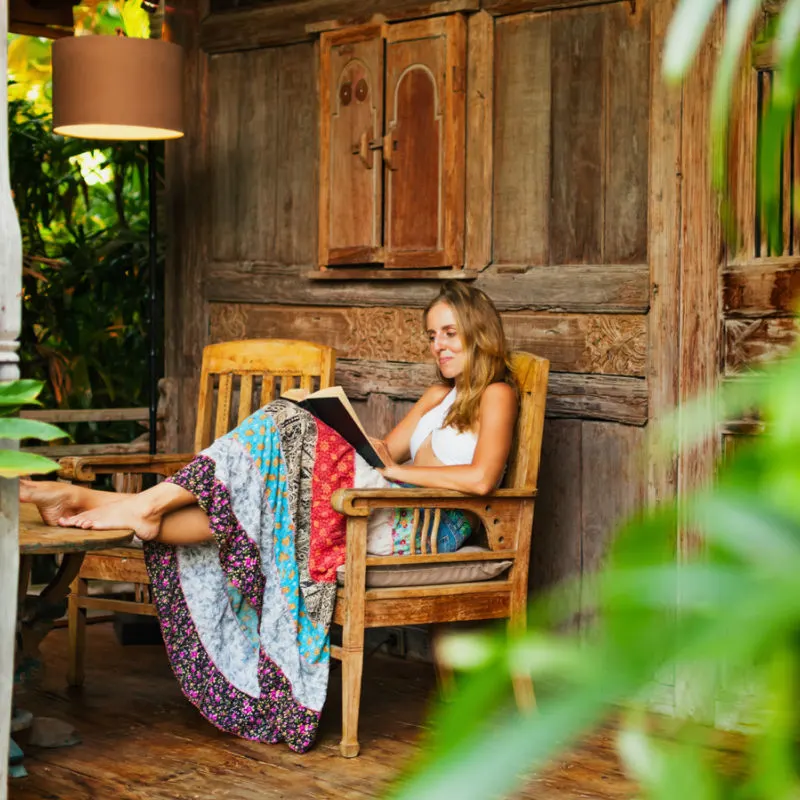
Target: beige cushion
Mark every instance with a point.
(426, 574)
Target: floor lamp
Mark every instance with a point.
(115, 88)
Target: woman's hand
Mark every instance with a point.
(298, 395)
(392, 472)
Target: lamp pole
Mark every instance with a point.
(154, 326)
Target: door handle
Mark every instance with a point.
(365, 147)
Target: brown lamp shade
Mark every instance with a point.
(115, 87)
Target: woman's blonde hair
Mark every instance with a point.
(486, 356)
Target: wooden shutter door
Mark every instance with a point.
(423, 148)
(351, 111)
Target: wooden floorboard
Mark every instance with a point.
(142, 741)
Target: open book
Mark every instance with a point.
(332, 407)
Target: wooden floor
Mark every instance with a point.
(142, 740)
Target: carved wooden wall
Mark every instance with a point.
(570, 90)
(760, 286)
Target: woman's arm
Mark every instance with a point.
(498, 413)
(398, 442)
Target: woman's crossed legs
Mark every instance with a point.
(166, 513)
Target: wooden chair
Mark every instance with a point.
(245, 374)
(507, 517)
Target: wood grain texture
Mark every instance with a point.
(612, 488)
(430, 9)
(748, 342)
(416, 125)
(288, 22)
(576, 212)
(742, 162)
(424, 140)
(188, 205)
(225, 79)
(602, 397)
(556, 550)
(522, 154)
(609, 344)
(37, 538)
(113, 567)
(762, 288)
(134, 705)
(351, 175)
(296, 157)
(702, 256)
(520, 6)
(193, 760)
(262, 152)
(570, 288)
(612, 344)
(248, 197)
(627, 79)
(663, 244)
(480, 141)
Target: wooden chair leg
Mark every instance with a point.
(352, 670)
(76, 619)
(353, 632)
(524, 693)
(445, 677)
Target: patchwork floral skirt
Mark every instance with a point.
(245, 617)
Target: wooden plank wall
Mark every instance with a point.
(569, 243)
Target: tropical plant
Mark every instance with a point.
(732, 608)
(83, 215)
(14, 395)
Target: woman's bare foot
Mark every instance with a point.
(53, 499)
(133, 512)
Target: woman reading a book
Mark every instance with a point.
(242, 544)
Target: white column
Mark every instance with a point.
(10, 314)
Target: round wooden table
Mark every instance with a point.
(35, 613)
(36, 539)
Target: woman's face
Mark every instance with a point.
(445, 341)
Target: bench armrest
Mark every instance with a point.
(86, 468)
(359, 502)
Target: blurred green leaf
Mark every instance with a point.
(20, 392)
(15, 428)
(13, 464)
(686, 31)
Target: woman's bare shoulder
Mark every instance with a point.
(500, 394)
(432, 396)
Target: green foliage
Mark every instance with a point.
(739, 610)
(84, 220)
(732, 610)
(14, 395)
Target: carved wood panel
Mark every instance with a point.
(424, 146)
(609, 344)
(350, 162)
(750, 341)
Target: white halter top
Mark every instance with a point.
(450, 446)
